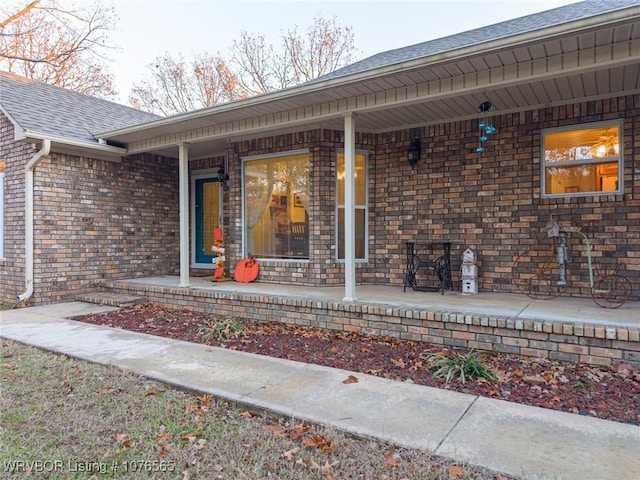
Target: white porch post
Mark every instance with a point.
(349, 208)
(183, 157)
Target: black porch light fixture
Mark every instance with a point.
(223, 176)
(413, 152)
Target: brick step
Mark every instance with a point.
(112, 299)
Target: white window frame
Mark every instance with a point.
(593, 161)
(364, 207)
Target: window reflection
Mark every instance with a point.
(276, 201)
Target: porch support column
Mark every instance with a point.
(349, 208)
(183, 158)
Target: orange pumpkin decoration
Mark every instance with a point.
(246, 270)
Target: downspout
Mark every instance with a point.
(28, 218)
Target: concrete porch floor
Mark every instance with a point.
(564, 309)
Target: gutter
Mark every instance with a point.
(28, 218)
(76, 147)
(318, 86)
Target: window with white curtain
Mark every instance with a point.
(276, 203)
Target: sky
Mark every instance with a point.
(146, 29)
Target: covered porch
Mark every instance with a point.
(564, 328)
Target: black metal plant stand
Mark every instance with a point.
(441, 266)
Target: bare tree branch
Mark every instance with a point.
(256, 67)
(19, 14)
(61, 46)
(176, 85)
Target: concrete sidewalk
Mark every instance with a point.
(514, 439)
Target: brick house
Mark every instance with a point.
(315, 180)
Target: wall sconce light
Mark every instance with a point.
(413, 152)
(223, 176)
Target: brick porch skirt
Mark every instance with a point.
(594, 344)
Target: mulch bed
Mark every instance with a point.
(611, 393)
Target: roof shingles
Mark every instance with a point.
(526, 24)
(50, 110)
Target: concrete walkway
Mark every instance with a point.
(526, 442)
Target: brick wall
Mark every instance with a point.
(93, 219)
(97, 219)
(16, 156)
(490, 202)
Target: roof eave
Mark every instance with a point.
(625, 14)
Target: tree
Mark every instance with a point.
(176, 85)
(59, 45)
(326, 47)
(256, 67)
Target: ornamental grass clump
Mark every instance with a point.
(221, 330)
(465, 367)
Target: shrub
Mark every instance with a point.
(464, 367)
(221, 330)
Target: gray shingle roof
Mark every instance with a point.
(529, 23)
(51, 110)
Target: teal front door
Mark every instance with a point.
(208, 216)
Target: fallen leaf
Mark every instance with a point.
(191, 435)
(193, 408)
(290, 453)
(124, 440)
(206, 399)
(10, 366)
(299, 430)
(326, 468)
(534, 379)
(350, 379)
(163, 439)
(151, 391)
(277, 430)
(246, 414)
(393, 459)
(318, 441)
(106, 391)
(454, 471)
(399, 363)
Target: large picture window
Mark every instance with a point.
(582, 160)
(276, 203)
(361, 205)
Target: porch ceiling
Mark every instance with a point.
(583, 64)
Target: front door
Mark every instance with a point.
(208, 216)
